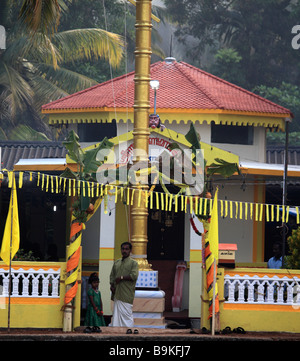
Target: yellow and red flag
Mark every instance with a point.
(211, 255)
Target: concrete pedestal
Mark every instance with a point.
(149, 303)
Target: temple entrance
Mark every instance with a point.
(165, 235)
(165, 248)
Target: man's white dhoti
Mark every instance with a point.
(122, 314)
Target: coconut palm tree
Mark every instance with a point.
(31, 66)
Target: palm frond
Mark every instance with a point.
(65, 79)
(40, 15)
(88, 44)
(45, 91)
(24, 132)
(3, 135)
(18, 89)
(41, 50)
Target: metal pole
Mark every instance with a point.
(9, 272)
(214, 300)
(284, 185)
(139, 211)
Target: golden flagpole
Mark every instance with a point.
(139, 211)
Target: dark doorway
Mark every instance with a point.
(165, 248)
(165, 235)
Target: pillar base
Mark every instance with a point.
(143, 264)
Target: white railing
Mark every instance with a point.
(31, 282)
(261, 289)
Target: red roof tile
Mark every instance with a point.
(182, 86)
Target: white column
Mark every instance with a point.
(195, 289)
(106, 251)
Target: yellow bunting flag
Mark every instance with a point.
(116, 194)
(205, 206)
(241, 210)
(146, 199)
(132, 196)
(43, 181)
(256, 211)
(162, 205)
(20, 179)
(261, 212)
(226, 208)
(283, 213)
(196, 205)
(267, 213)
(287, 214)
(11, 235)
(167, 201)
(176, 203)
(191, 204)
(47, 184)
(200, 206)
(170, 202)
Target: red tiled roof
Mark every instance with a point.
(182, 86)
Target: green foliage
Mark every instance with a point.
(24, 132)
(193, 137)
(73, 147)
(33, 66)
(86, 160)
(87, 163)
(222, 167)
(258, 30)
(91, 161)
(228, 66)
(21, 255)
(279, 138)
(288, 96)
(292, 261)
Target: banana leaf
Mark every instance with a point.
(90, 162)
(223, 168)
(73, 147)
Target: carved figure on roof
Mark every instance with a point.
(155, 122)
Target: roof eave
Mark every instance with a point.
(170, 115)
